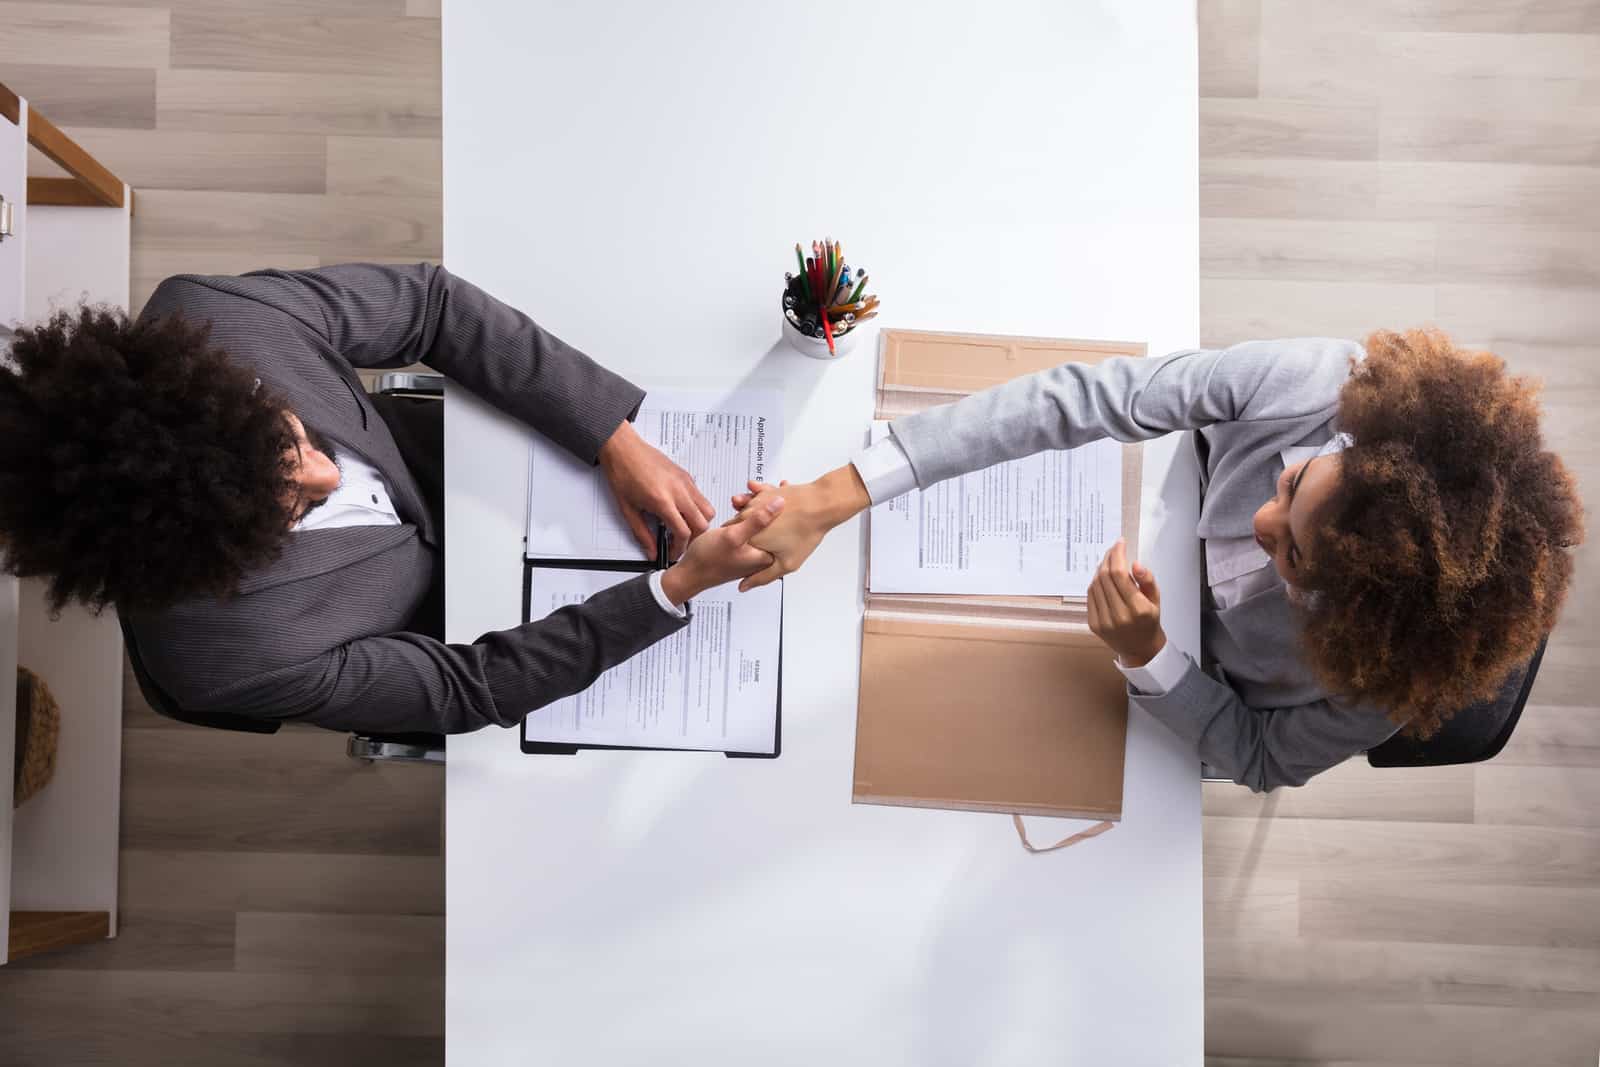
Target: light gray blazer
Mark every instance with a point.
(1257, 713)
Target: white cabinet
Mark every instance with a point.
(58, 852)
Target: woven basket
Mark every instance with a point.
(38, 731)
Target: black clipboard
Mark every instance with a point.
(660, 563)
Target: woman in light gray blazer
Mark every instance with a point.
(1385, 535)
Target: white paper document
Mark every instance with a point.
(722, 438)
(713, 685)
(1033, 526)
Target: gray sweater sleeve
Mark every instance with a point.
(1125, 399)
(1264, 748)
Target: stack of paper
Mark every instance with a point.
(1034, 526)
(711, 686)
(722, 438)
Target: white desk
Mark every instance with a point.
(615, 908)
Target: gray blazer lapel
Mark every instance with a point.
(1242, 464)
(1256, 643)
(313, 552)
(342, 411)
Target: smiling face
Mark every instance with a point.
(312, 469)
(1285, 526)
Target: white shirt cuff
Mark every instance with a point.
(885, 470)
(675, 610)
(1160, 675)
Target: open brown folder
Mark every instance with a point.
(998, 703)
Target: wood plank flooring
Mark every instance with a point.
(1376, 164)
(280, 904)
(1364, 164)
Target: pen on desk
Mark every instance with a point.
(866, 305)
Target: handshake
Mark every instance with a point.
(776, 529)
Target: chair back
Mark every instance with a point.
(1471, 735)
(164, 705)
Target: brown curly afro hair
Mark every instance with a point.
(139, 466)
(1442, 555)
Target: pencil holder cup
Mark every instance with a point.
(817, 347)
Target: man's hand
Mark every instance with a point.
(721, 555)
(645, 481)
(811, 511)
(1125, 610)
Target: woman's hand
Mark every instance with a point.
(721, 555)
(811, 510)
(643, 480)
(1125, 610)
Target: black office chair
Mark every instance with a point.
(398, 748)
(1473, 734)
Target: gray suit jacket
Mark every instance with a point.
(323, 635)
(1259, 715)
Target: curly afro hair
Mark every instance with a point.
(1442, 555)
(139, 466)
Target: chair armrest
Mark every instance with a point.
(399, 748)
(409, 383)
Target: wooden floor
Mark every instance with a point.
(282, 905)
(1365, 163)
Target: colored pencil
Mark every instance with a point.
(827, 298)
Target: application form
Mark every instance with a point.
(723, 438)
(713, 685)
(1037, 525)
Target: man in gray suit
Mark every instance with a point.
(1385, 536)
(216, 471)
